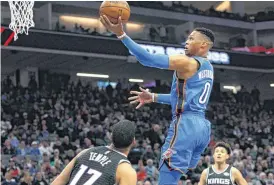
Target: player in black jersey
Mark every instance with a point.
(105, 165)
(221, 173)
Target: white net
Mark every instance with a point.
(21, 17)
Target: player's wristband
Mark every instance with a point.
(122, 36)
(153, 97)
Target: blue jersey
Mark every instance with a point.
(193, 93)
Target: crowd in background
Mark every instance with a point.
(178, 6)
(165, 33)
(43, 128)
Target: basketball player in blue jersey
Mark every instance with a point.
(189, 131)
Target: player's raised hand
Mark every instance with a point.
(117, 29)
(143, 97)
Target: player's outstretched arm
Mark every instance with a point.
(126, 175)
(238, 178)
(181, 63)
(203, 178)
(63, 178)
(144, 97)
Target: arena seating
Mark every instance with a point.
(179, 7)
(42, 129)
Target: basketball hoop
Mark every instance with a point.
(21, 17)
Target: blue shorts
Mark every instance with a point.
(187, 138)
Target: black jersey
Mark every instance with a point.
(221, 178)
(96, 166)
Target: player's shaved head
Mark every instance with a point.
(206, 35)
(199, 42)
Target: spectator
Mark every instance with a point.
(33, 169)
(76, 28)
(70, 155)
(45, 148)
(57, 26)
(58, 145)
(270, 179)
(5, 127)
(3, 170)
(147, 182)
(237, 152)
(262, 178)
(157, 152)
(44, 133)
(39, 180)
(141, 174)
(13, 169)
(109, 90)
(13, 140)
(238, 162)
(199, 169)
(26, 179)
(207, 161)
(151, 170)
(255, 93)
(237, 132)
(94, 32)
(163, 33)
(99, 133)
(148, 154)
(88, 143)
(66, 144)
(212, 142)
(152, 33)
(8, 81)
(153, 135)
(8, 179)
(34, 150)
(32, 83)
(22, 150)
(56, 156)
(8, 149)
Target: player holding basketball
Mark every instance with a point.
(103, 165)
(189, 132)
(221, 173)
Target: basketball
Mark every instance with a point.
(114, 9)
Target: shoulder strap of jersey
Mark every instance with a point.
(207, 172)
(204, 63)
(199, 59)
(210, 170)
(230, 174)
(124, 161)
(229, 168)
